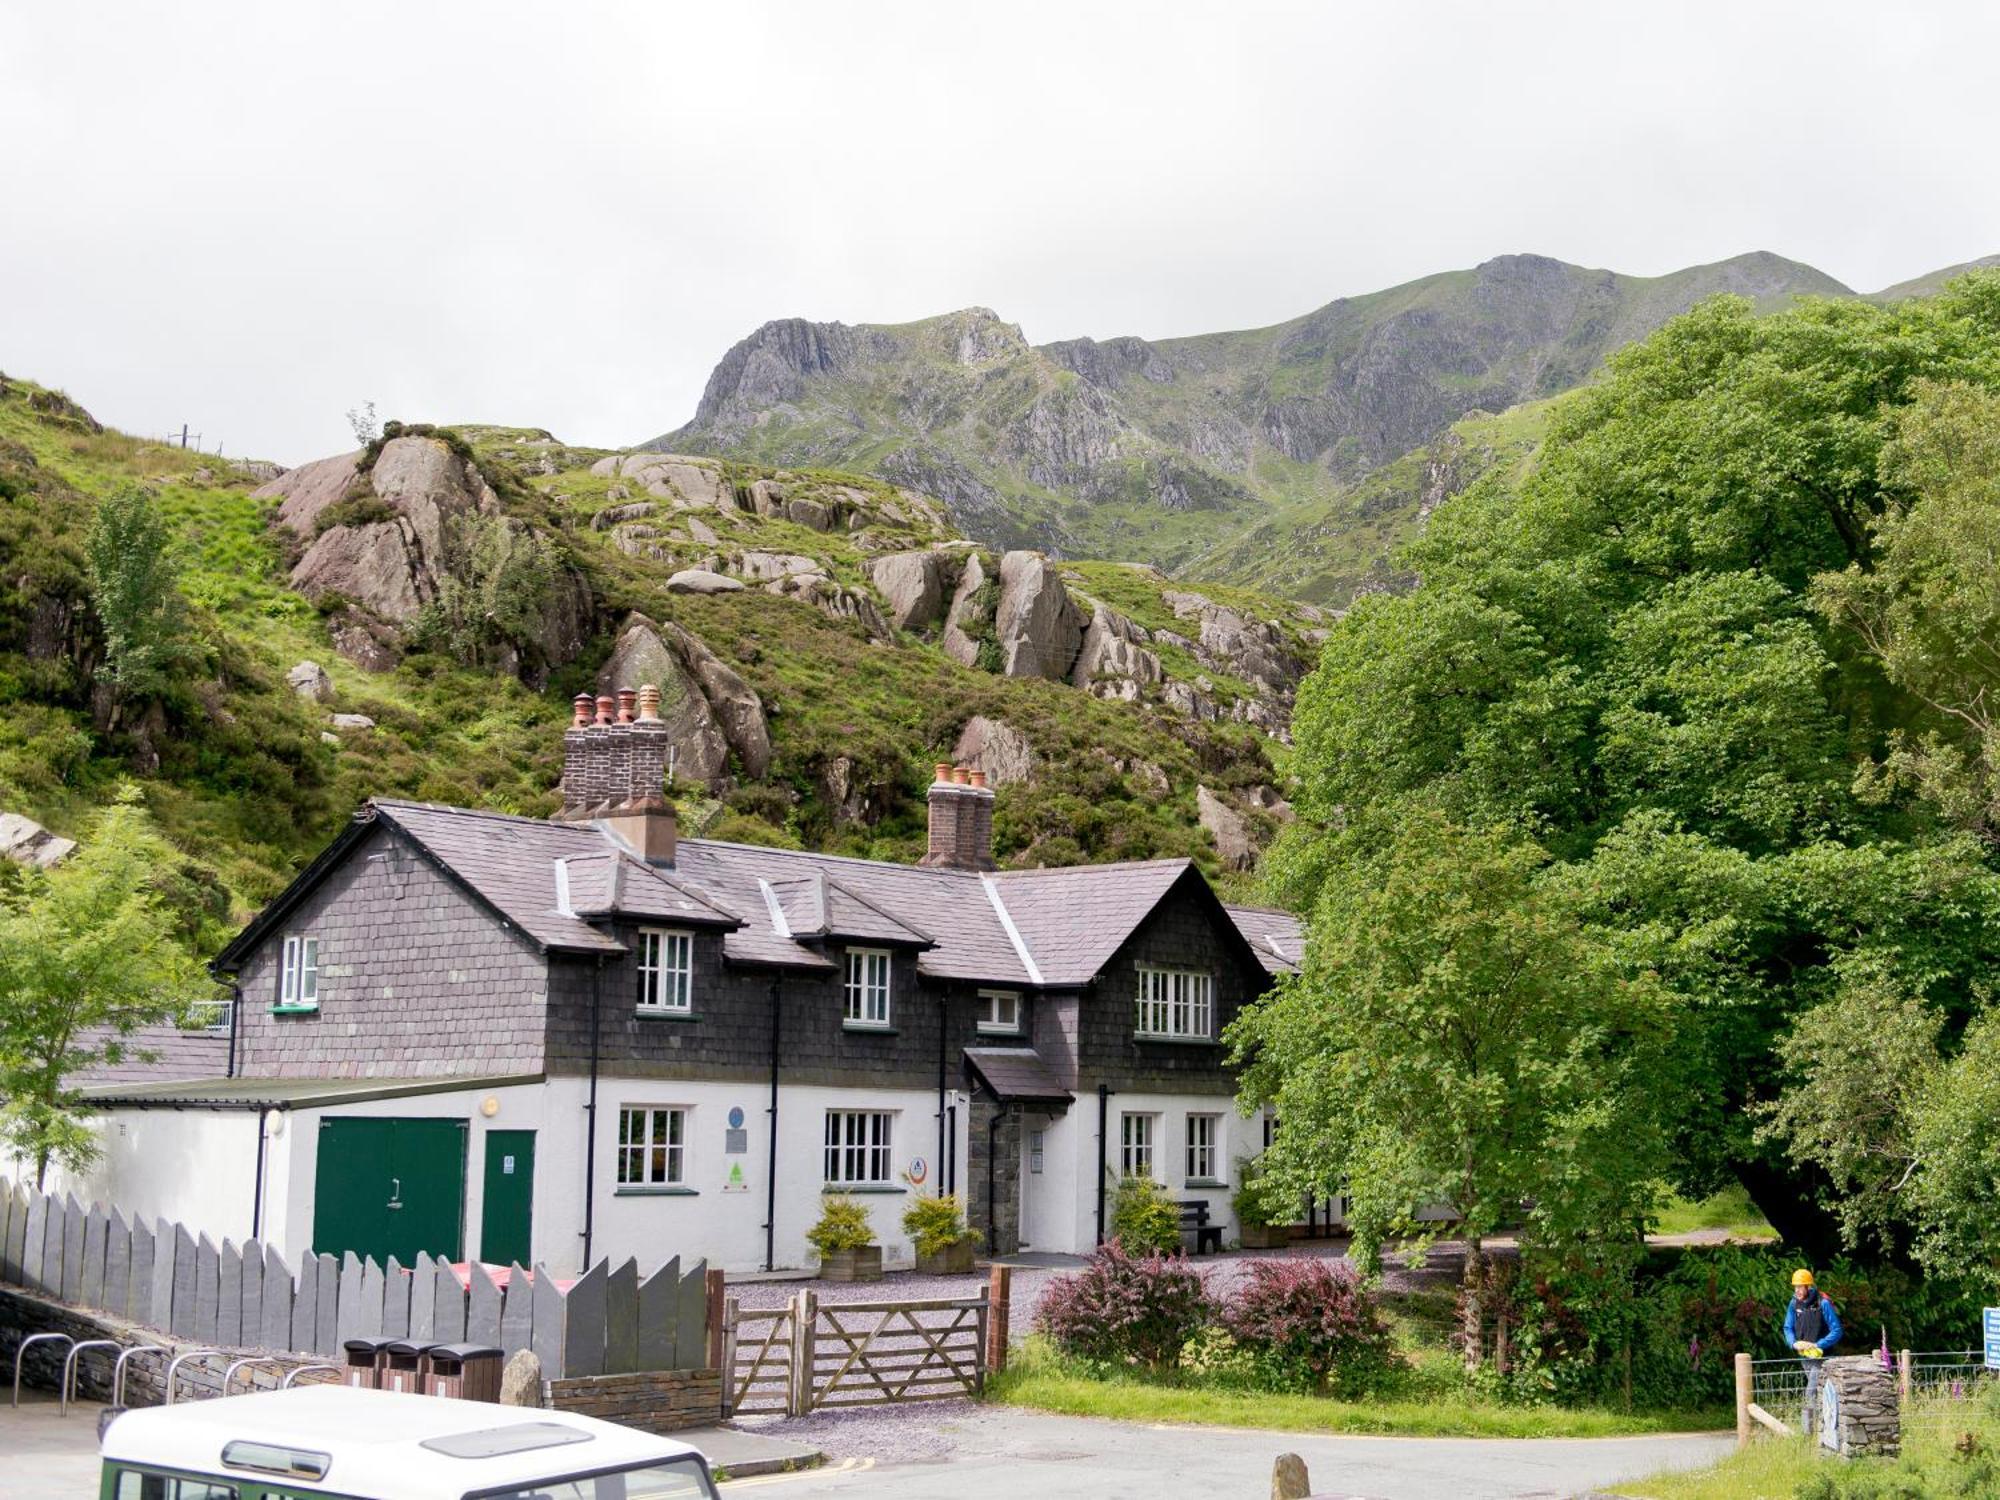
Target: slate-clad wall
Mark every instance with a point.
(729, 1036)
(1184, 932)
(416, 979)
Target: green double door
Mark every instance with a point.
(390, 1187)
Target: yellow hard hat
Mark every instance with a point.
(1802, 1278)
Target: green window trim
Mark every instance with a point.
(296, 1010)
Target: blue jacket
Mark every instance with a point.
(1826, 1340)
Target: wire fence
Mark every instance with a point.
(1936, 1385)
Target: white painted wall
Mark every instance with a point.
(1236, 1138)
(197, 1167)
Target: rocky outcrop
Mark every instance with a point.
(26, 842)
(309, 680)
(1225, 825)
(702, 581)
(834, 600)
(1113, 661)
(708, 708)
(969, 620)
(684, 483)
(915, 586)
(304, 492)
(1255, 650)
(733, 701)
(995, 747)
(1039, 628)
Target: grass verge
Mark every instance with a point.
(1037, 1378)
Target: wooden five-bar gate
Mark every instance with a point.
(803, 1356)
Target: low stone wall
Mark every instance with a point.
(23, 1313)
(655, 1401)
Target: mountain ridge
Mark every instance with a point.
(1165, 450)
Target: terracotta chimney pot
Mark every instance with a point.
(649, 702)
(605, 703)
(960, 776)
(584, 707)
(626, 699)
(944, 770)
(979, 778)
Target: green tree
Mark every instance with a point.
(1957, 1181)
(1458, 1036)
(89, 952)
(135, 591)
(493, 588)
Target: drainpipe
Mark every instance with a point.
(257, 1194)
(235, 1011)
(938, 1165)
(771, 1171)
(993, 1176)
(1103, 1130)
(590, 1110)
(951, 1147)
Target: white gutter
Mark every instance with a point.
(1013, 933)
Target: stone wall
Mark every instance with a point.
(657, 1401)
(995, 1148)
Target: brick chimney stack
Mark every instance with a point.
(615, 770)
(961, 820)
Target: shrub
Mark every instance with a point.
(843, 1225)
(1311, 1326)
(1122, 1309)
(1144, 1218)
(1252, 1211)
(936, 1224)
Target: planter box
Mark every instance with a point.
(1264, 1236)
(954, 1260)
(864, 1264)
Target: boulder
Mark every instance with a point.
(309, 680)
(353, 721)
(767, 497)
(965, 610)
(374, 565)
(810, 514)
(1226, 826)
(702, 532)
(364, 640)
(424, 482)
(763, 566)
(304, 492)
(702, 581)
(700, 750)
(1039, 628)
(1112, 652)
(26, 842)
(521, 1380)
(687, 483)
(852, 799)
(1188, 701)
(995, 747)
(913, 584)
(618, 515)
(1289, 1480)
(733, 701)
(836, 601)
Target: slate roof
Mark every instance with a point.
(1053, 928)
(1276, 937)
(175, 1054)
(1016, 1073)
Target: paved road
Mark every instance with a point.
(999, 1454)
(1003, 1454)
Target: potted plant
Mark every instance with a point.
(937, 1227)
(846, 1241)
(1256, 1226)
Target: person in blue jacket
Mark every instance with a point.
(1812, 1327)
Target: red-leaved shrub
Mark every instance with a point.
(1310, 1325)
(1124, 1309)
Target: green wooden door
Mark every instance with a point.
(506, 1223)
(390, 1187)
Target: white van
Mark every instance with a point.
(332, 1442)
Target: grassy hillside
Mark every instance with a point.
(248, 779)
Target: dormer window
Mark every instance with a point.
(999, 1012)
(1176, 1004)
(298, 973)
(867, 1001)
(666, 971)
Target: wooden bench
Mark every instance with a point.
(1194, 1221)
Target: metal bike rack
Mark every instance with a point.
(174, 1365)
(118, 1370)
(292, 1376)
(69, 1370)
(33, 1338)
(249, 1359)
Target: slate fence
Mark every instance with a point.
(610, 1321)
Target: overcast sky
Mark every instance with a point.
(251, 217)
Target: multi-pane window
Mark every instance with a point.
(1135, 1145)
(857, 1146)
(867, 988)
(999, 1010)
(666, 970)
(652, 1146)
(298, 973)
(1202, 1133)
(1176, 1003)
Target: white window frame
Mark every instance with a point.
(635, 1163)
(666, 971)
(1175, 1004)
(860, 1148)
(866, 1000)
(298, 972)
(990, 1007)
(1202, 1149)
(1138, 1141)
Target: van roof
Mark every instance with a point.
(376, 1440)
